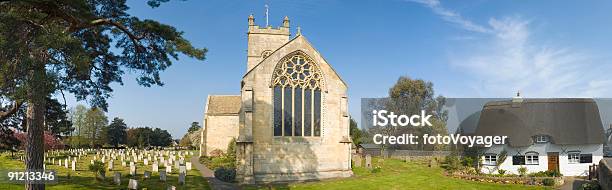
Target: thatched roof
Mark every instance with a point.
(565, 121)
(223, 105)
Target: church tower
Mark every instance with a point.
(263, 40)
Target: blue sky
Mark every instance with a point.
(466, 48)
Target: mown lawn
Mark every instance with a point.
(84, 179)
(396, 174)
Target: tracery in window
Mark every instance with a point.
(297, 84)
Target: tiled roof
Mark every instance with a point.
(223, 104)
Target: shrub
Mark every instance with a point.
(452, 162)
(555, 173)
(522, 171)
(590, 186)
(216, 153)
(225, 174)
(98, 168)
(467, 161)
(376, 169)
(501, 172)
(548, 181)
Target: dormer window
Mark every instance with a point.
(541, 139)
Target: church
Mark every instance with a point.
(290, 120)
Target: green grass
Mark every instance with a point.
(84, 179)
(396, 174)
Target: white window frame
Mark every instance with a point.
(490, 159)
(541, 139)
(573, 157)
(532, 158)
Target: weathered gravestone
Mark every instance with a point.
(357, 160)
(117, 178)
(162, 176)
(133, 184)
(368, 161)
(154, 167)
(147, 174)
(110, 165)
(188, 165)
(133, 170)
(181, 178)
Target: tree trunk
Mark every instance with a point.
(35, 122)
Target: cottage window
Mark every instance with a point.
(297, 84)
(518, 160)
(532, 158)
(541, 139)
(573, 157)
(586, 158)
(490, 159)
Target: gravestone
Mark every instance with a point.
(123, 163)
(176, 165)
(66, 163)
(146, 162)
(357, 160)
(154, 167)
(110, 165)
(133, 170)
(147, 174)
(181, 178)
(162, 176)
(168, 169)
(182, 169)
(368, 160)
(133, 184)
(188, 165)
(117, 178)
(73, 165)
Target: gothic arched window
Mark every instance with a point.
(297, 84)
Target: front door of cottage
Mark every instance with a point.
(553, 161)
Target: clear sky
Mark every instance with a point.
(466, 48)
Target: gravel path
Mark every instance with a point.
(214, 183)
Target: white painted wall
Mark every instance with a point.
(567, 169)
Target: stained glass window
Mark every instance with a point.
(297, 84)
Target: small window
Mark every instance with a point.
(573, 157)
(586, 158)
(532, 158)
(490, 159)
(518, 160)
(541, 139)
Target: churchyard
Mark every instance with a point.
(123, 169)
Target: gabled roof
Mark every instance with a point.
(223, 105)
(299, 36)
(370, 146)
(566, 121)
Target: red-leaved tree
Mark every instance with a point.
(50, 141)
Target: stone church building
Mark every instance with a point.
(290, 120)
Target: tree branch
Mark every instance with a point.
(11, 111)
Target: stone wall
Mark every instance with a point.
(219, 131)
(605, 173)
